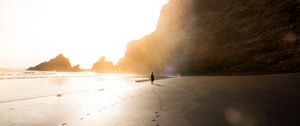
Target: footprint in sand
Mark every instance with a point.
(64, 124)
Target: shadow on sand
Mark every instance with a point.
(157, 85)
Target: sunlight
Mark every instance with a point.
(115, 88)
(83, 30)
(111, 77)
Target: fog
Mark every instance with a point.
(219, 36)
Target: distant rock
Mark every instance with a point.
(103, 66)
(59, 63)
(76, 68)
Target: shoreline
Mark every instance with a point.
(269, 100)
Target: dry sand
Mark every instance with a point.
(264, 100)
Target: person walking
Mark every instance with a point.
(152, 78)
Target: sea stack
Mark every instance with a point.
(59, 63)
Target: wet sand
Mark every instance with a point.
(264, 100)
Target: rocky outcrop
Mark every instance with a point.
(103, 66)
(76, 68)
(200, 36)
(59, 63)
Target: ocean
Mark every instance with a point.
(19, 85)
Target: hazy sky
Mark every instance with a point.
(32, 31)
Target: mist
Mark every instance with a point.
(219, 36)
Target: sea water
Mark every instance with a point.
(17, 84)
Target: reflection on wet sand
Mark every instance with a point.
(182, 101)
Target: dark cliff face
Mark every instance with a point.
(195, 36)
(59, 63)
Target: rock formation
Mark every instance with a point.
(200, 36)
(76, 68)
(59, 63)
(103, 66)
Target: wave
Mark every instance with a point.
(26, 74)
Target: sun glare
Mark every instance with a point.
(83, 30)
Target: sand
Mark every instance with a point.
(264, 100)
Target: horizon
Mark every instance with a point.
(81, 30)
(156, 63)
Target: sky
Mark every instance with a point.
(33, 31)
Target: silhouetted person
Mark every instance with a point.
(152, 78)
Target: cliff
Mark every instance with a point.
(59, 63)
(201, 36)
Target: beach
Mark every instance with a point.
(118, 100)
